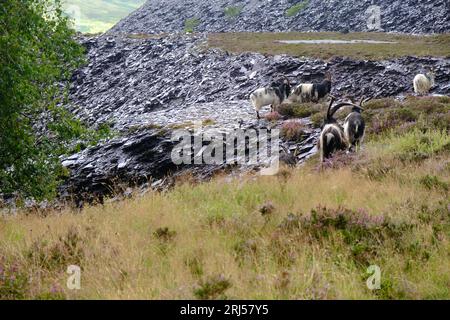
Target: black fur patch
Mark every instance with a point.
(356, 127)
(336, 143)
(283, 91)
(322, 89)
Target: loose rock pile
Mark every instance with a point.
(165, 16)
(145, 88)
(174, 79)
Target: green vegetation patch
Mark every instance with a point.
(397, 45)
(191, 24)
(233, 12)
(295, 9)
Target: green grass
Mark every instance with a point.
(295, 9)
(266, 43)
(303, 234)
(233, 12)
(99, 15)
(191, 24)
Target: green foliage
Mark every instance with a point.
(233, 12)
(99, 15)
(191, 24)
(434, 183)
(419, 145)
(212, 288)
(300, 110)
(13, 281)
(295, 9)
(37, 54)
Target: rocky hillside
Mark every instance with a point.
(172, 80)
(139, 86)
(408, 16)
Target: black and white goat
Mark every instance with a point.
(272, 96)
(424, 82)
(312, 92)
(332, 137)
(355, 126)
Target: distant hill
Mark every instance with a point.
(99, 15)
(408, 16)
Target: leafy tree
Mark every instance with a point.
(38, 54)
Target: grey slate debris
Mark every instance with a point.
(143, 85)
(408, 16)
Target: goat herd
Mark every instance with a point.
(334, 137)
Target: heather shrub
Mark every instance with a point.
(418, 145)
(68, 250)
(297, 110)
(318, 119)
(164, 234)
(212, 288)
(13, 281)
(363, 233)
(292, 130)
(434, 183)
(273, 116)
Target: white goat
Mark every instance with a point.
(423, 83)
(312, 92)
(332, 137)
(272, 96)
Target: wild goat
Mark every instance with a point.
(423, 83)
(355, 126)
(332, 136)
(312, 92)
(273, 96)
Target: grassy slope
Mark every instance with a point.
(100, 15)
(438, 45)
(219, 245)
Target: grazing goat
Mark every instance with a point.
(423, 83)
(355, 126)
(273, 96)
(312, 92)
(332, 136)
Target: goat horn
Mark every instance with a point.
(368, 99)
(361, 101)
(344, 104)
(329, 115)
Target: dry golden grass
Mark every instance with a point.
(211, 240)
(123, 259)
(266, 43)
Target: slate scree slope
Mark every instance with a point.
(409, 16)
(140, 85)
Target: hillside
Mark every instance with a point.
(99, 15)
(303, 234)
(139, 224)
(408, 16)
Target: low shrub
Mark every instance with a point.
(212, 288)
(363, 233)
(13, 281)
(434, 183)
(68, 250)
(418, 145)
(296, 110)
(293, 130)
(273, 116)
